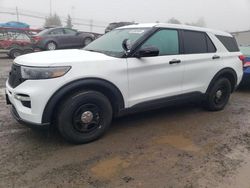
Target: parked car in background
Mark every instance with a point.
(15, 42)
(62, 38)
(246, 59)
(115, 25)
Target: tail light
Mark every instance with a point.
(242, 58)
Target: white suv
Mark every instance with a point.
(130, 69)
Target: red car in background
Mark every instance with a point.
(15, 42)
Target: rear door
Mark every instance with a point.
(71, 39)
(152, 78)
(200, 61)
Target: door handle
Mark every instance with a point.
(216, 57)
(174, 61)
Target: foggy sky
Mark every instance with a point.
(227, 15)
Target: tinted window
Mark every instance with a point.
(210, 46)
(194, 42)
(166, 41)
(56, 32)
(229, 42)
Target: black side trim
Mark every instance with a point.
(27, 123)
(159, 103)
(97, 84)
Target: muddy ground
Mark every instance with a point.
(181, 146)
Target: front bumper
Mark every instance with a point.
(27, 123)
(39, 92)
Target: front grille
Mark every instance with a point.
(15, 77)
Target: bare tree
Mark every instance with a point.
(174, 21)
(53, 21)
(200, 23)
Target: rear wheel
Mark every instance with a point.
(84, 117)
(219, 94)
(51, 46)
(87, 41)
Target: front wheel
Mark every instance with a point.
(219, 94)
(14, 53)
(84, 117)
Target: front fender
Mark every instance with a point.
(100, 85)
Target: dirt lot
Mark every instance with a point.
(182, 146)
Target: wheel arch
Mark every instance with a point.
(103, 86)
(228, 73)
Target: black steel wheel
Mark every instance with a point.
(219, 94)
(84, 116)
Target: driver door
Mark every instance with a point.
(152, 78)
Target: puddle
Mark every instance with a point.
(109, 168)
(179, 142)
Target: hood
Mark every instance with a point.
(60, 58)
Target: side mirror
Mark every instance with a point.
(149, 51)
(126, 45)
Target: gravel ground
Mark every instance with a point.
(180, 146)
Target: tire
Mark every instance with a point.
(51, 46)
(218, 96)
(87, 41)
(84, 117)
(14, 53)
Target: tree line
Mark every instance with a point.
(55, 21)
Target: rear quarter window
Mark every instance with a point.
(229, 43)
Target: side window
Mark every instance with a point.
(166, 40)
(194, 42)
(229, 42)
(69, 32)
(57, 32)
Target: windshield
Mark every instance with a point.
(245, 50)
(111, 43)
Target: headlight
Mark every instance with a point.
(34, 73)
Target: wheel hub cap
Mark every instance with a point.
(87, 117)
(218, 94)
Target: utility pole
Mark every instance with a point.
(91, 25)
(17, 14)
(50, 7)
